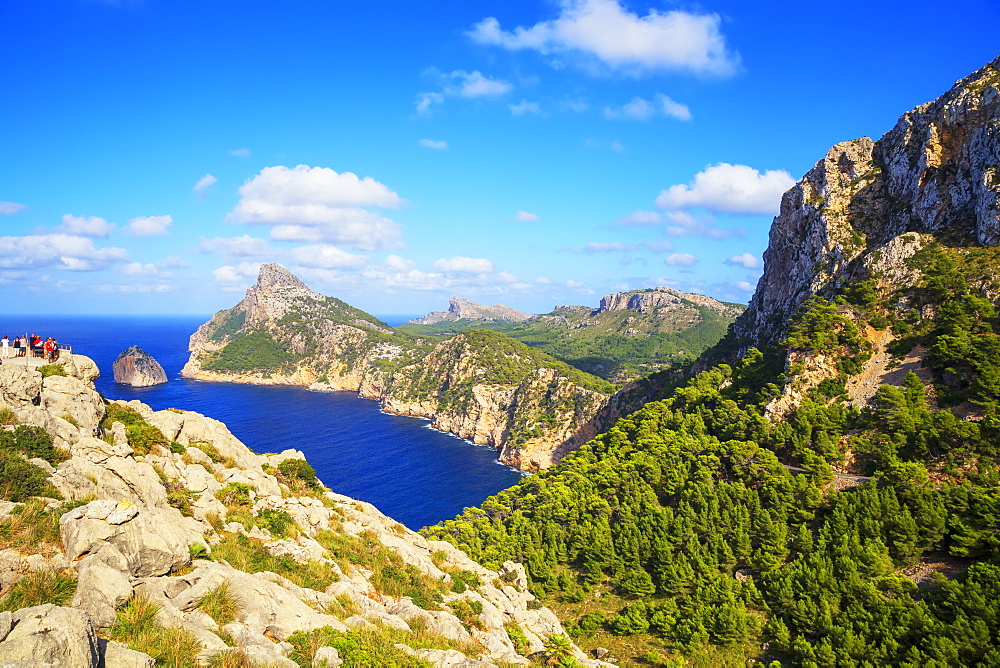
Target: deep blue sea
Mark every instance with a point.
(411, 472)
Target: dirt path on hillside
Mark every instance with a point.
(877, 372)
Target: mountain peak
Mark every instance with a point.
(272, 275)
(460, 307)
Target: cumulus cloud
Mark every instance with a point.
(526, 217)
(641, 109)
(57, 251)
(240, 153)
(727, 188)
(317, 204)
(461, 84)
(524, 107)
(745, 286)
(85, 226)
(606, 32)
(434, 144)
(204, 183)
(241, 246)
(325, 256)
(464, 265)
(680, 260)
(150, 226)
(745, 260)
(233, 277)
(11, 208)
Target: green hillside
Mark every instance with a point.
(681, 533)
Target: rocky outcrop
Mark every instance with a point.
(853, 215)
(137, 368)
(459, 308)
(131, 539)
(660, 301)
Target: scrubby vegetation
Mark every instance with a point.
(21, 480)
(684, 526)
(142, 436)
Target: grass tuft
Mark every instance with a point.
(39, 588)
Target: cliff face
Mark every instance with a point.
(459, 307)
(173, 510)
(661, 301)
(283, 333)
(936, 172)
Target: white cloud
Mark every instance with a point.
(640, 109)
(155, 268)
(235, 275)
(434, 144)
(680, 260)
(524, 107)
(614, 145)
(526, 217)
(608, 247)
(150, 226)
(426, 100)
(474, 84)
(729, 189)
(462, 84)
(11, 208)
(138, 269)
(86, 226)
(325, 256)
(317, 204)
(204, 183)
(745, 260)
(240, 153)
(57, 251)
(241, 246)
(464, 265)
(605, 31)
(745, 286)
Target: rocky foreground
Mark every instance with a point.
(167, 512)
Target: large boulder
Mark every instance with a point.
(135, 367)
(100, 469)
(153, 541)
(48, 635)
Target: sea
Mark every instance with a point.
(412, 473)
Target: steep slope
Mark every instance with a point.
(175, 541)
(631, 334)
(829, 495)
(482, 386)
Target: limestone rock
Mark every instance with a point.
(51, 635)
(108, 472)
(135, 367)
(327, 657)
(117, 655)
(659, 300)
(935, 171)
(155, 541)
(102, 585)
(19, 385)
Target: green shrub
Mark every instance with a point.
(462, 580)
(21, 480)
(52, 370)
(298, 473)
(235, 494)
(220, 604)
(31, 441)
(278, 522)
(39, 588)
(249, 555)
(7, 415)
(141, 435)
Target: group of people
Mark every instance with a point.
(32, 344)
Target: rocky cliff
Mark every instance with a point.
(662, 302)
(176, 542)
(283, 333)
(459, 307)
(135, 367)
(936, 172)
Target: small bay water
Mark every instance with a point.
(412, 473)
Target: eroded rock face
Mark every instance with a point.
(937, 169)
(137, 368)
(459, 307)
(49, 635)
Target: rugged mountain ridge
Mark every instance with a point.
(283, 333)
(459, 307)
(167, 512)
(936, 172)
(822, 489)
(662, 301)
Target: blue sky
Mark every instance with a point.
(153, 153)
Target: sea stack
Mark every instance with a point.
(135, 367)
